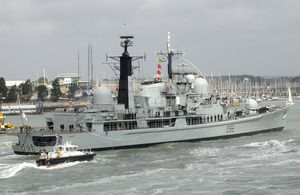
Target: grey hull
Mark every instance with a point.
(101, 140)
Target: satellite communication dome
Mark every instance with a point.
(102, 95)
(190, 78)
(251, 104)
(200, 86)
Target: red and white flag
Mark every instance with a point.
(23, 114)
(228, 105)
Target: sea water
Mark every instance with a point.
(266, 163)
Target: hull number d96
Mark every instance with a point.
(230, 129)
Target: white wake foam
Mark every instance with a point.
(270, 143)
(10, 171)
(205, 151)
(59, 166)
(5, 143)
(7, 171)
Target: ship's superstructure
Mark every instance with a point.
(178, 109)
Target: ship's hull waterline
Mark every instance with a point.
(273, 121)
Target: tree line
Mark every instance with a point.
(25, 91)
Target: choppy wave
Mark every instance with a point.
(6, 143)
(270, 143)
(262, 152)
(267, 149)
(7, 171)
(163, 161)
(105, 158)
(10, 171)
(205, 151)
(287, 162)
(4, 153)
(274, 145)
(195, 166)
(9, 156)
(110, 179)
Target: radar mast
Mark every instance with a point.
(170, 55)
(125, 70)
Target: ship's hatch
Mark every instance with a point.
(50, 125)
(44, 141)
(89, 126)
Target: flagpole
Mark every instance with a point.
(22, 114)
(22, 118)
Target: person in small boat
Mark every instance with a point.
(58, 152)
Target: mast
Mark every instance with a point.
(170, 55)
(90, 65)
(125, 95)
(37, 78)
(125, 71)
(92, 68)
(89, 58)
(78, 68)
(44, 76)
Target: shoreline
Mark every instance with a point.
(48, 106)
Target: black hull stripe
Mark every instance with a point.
(54, 161)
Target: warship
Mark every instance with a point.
(177, 109)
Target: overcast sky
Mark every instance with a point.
(258, 37)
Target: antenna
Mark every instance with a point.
(78, 68)
(115, 66)
(169, 42)
(92, 67)
(89, 66)
(126, 43)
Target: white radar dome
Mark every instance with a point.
(190, 78)
(200, 86)
(251, 104)
(102, 95)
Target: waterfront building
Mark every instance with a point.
(9, 84)
(66, 79)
